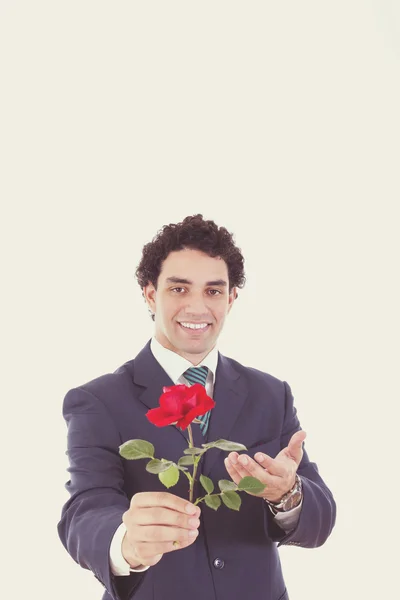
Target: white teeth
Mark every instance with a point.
(195, 325)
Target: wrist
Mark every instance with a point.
(277, 501)
(289, 500)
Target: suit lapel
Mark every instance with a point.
(230, 393)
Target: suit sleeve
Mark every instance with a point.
(97, 500)
(318, 511)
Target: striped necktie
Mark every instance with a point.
(199, 375)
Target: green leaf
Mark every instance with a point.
(229, 446)
(213, 501)
(157, 466)
(209, 445)
(134, 449)
(193, 451)
(207, 484)
(251, 484)
(212, 444)
(232, 500)
(186, 461)
(170, 477)
(227, 486)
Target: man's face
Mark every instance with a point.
(192, 290)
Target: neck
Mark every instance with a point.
(195, 359)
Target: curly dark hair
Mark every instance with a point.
(194, 233)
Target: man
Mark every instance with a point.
(142, 541)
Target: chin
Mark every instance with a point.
(200, 349)
(193, 348)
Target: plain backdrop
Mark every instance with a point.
(278, 120)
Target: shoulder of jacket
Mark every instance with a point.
(118, 380)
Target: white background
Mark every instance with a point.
(278, 120)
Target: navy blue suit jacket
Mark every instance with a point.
(252, 407)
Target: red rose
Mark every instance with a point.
(180, 404)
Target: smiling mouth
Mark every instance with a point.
(198, 330)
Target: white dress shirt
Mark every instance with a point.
(175, 365)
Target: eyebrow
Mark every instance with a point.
(220, 282)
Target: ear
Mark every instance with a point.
(149, 293)
(232, 297)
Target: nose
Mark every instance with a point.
(196, 305)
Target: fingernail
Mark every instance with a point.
(233, 460)
(243, 460)
(193, 532)
(259, 457)
(194, 523)
(190, 509)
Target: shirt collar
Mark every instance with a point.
(175, 365)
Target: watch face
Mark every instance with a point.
(293, 501)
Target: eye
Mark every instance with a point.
(177, 288)
(218, 292)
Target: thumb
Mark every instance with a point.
(295, 446)
(153, 560)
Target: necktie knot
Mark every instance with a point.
(196, 375)
(199, 375)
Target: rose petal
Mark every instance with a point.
(157, 417)
(181, 404)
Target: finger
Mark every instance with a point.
(295, 446)
(151, 561)
(148, 550)
(164, 516)
(249, 469)
(165, 499)
(140, 557)
(161, 533)
(234, 474)
(233, 456)
(274, 467)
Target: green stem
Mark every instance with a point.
(188, 475)
(201, 499)
(191, 445)
(198, 501)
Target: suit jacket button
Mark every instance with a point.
(219, 563)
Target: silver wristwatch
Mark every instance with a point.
(290, 500)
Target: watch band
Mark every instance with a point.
(284, 503)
